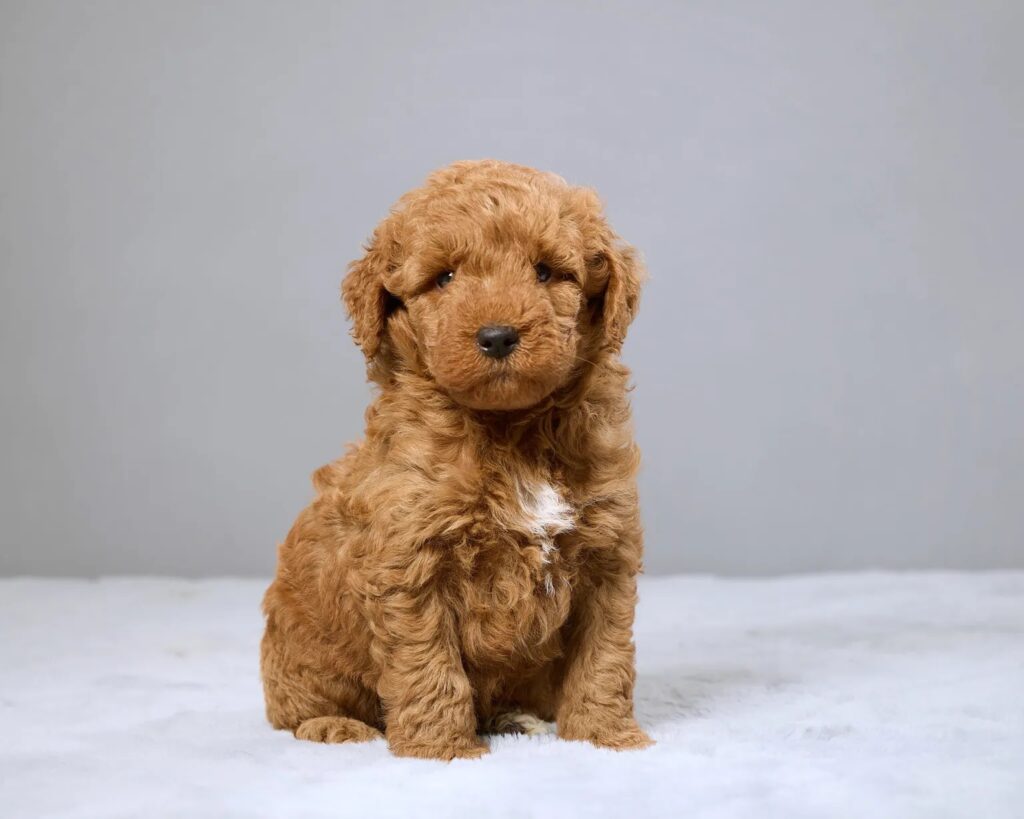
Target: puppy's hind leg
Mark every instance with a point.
(315, 707)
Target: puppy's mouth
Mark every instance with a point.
(504, 389)
(516, 382)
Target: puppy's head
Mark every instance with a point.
(495, 280)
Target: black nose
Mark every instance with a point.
(497, 342)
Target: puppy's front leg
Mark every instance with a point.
(597, 690)
(428, 700)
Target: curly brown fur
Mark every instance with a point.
(476, 555)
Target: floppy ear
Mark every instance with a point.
(614, 270)
(619, 267)
(366, 298)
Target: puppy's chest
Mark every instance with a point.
(517, 561)
(520, 534)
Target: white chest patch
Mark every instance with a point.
(545, 514)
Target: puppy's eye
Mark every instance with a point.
(543, 272)
(444, 279)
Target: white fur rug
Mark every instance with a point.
(896, 695)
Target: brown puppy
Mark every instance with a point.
(471, 566)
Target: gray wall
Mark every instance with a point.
(830, 354)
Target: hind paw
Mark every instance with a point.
(336, 729)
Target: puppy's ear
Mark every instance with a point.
(615, 273)
(366, 297)
(620, 268)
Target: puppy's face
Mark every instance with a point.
(496, 281)
(497, 325)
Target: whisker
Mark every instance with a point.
(586, 360)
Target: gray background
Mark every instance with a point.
(830, 354)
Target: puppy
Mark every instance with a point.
(470, 567)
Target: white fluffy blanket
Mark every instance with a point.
(893, 695)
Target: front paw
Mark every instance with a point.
(617, 734)
(443, 748)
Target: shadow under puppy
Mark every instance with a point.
(471, 565)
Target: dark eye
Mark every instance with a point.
(543, 272)
(444, 279)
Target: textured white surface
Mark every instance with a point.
(857, 695)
